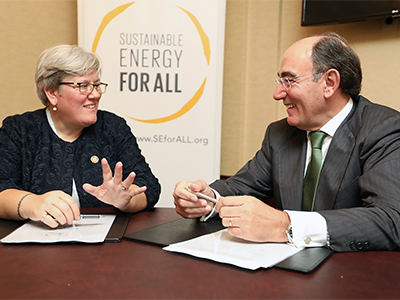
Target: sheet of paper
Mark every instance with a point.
(86, 230)
(220, 246)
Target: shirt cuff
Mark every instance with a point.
(212, 212)
(309, 229)
(210, 215)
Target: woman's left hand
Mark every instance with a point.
(114, 190)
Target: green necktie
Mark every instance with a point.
(313, 170)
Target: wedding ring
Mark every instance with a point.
(230, 222)
(122, 187)
(43, 217)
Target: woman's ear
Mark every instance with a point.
(332, 82)
(51, 96)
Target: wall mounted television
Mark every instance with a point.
(322, 12)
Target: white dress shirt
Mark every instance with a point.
(309, 229)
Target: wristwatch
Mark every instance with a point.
(289, 234)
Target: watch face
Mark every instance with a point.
(289, 234)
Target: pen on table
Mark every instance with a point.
(90, 216)
(202, 196)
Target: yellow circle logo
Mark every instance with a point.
(206, 49)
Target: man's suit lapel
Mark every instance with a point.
(337, 160)
(291, 170)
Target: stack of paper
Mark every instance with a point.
(220, 246)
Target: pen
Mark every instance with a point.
(90, 216)
(202, 196)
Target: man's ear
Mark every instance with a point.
(51, 96)
(332, 82)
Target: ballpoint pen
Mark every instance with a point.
(202, 196)
(90, 216)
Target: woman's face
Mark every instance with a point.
(76, 110)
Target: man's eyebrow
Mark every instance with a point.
(286, 74)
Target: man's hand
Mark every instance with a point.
(249, 218)
(189, 205)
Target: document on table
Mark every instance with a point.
(89, 229)
(221, 247)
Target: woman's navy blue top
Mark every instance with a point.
(33, 158)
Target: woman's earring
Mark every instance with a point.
(54, 108)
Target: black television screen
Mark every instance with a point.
(321, 12)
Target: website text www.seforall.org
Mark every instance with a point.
(179, 139)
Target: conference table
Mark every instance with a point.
(134, 270)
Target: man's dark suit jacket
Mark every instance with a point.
(359, 188)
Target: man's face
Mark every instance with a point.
(304, 99)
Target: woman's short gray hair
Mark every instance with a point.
(58, 62)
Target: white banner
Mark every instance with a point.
(163, 61)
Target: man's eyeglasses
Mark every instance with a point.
(287, 81)
(87, 88)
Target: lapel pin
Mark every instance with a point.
(94, 159)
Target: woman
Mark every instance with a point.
(59, 158)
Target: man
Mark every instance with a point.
(356, 202)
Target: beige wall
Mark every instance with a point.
(257, 34)
(27, 27)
